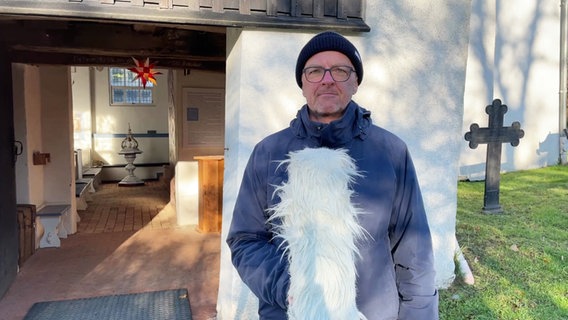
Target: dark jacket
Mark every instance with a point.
(396, 268)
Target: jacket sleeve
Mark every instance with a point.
(412, 248)
(260, 262)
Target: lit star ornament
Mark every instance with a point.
(145, 72)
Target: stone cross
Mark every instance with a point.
(494, 136)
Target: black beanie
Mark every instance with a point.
(329, 41)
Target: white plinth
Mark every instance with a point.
(186, 192)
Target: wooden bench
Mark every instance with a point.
(82, 189)
(50, 218)
(91, 178)
(93, 173)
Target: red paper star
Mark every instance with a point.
(144, 72)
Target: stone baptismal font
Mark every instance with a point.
(130, 149)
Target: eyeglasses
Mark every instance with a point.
(339, 73)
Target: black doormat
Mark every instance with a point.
(156, 305)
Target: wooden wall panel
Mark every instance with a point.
(271, 7)
(218, 6)
(166, 4)
(316, 14)
(319, 8)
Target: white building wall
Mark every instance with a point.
(414, 61)
(28, 126)
(34, 132)
(42, 98)
(235, 299)
(57, 140)
(22, 167)
(514, 56)
(82, 115)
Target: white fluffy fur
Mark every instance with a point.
(320, 231)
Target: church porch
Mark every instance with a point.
(127, 242)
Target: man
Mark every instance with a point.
(395, 273)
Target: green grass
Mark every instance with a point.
(519, 258)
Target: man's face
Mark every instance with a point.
(328, 99)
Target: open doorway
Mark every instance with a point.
(55, 69)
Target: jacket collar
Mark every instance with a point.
(354, 124)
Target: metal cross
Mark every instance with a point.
(494, 136)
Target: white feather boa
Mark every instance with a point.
(320, 230)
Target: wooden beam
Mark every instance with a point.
(193, 5)
(319, 8)
(115, 39)
(58, 58)
(244, 7)
(166, 4)
(341, 9)
(295, 9)
(271, 8)
(217, 6)
(183, 16)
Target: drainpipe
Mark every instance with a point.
(562, 133)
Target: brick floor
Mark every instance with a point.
(128, 241)
(119, 208)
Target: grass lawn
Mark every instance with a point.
(519, 258)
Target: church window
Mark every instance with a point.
(126, 89)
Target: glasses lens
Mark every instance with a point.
(316, 74)
(340, 73)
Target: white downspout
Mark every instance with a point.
(562, 90)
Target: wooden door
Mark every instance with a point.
(8, 212)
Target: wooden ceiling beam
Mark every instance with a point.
(90, 42)
(35, 57)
